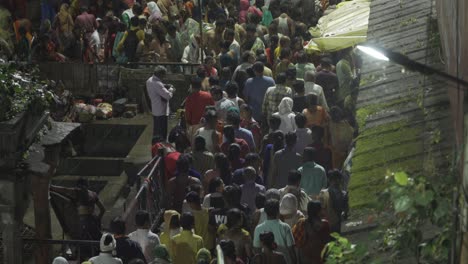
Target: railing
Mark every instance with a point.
(68, 246)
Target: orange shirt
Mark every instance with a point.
(317, 118)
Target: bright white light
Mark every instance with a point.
(373, 52)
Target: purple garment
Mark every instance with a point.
(249, 192)
(246, 135)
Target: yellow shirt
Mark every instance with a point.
(201, 227)
(185, 247)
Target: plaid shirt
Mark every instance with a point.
(273, 98)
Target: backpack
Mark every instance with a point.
(339, 201)
(130, 45)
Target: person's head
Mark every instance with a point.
(216, 93)
(229, 134)
(209, 61)
(199, 144)
(299, 87)
(225, 73)
(312, 101)
(309, 76)
(142, 219)
(229, 35)
(234, 218)
(232, 196)
(171, 30)
(285, 54)
(284, 42)
(317, 134)
(296, 44)
(272, 208)
(273, 31)
(260, 200)
(268, 240)
(281, 78)
(336, 114)
(274, 41)
(142, 23)
(201, 73)
(291, 73)
(309, 154)
(326, 63)
(221, 161)
(275, 122)
(245, 112)
(160, 71)
(193, 199)
(231, 89)
(278, 140)
(195, 83)
(183, 164)
(302, 57)
(161, 252)
(84, 9)
(211, 118)
(234, 152)
(262, 58)
(248, 56)
(290, 139)
(233, 118)
(137, 9)
(284, 8)
(273, 194)
(253, 159)
(313, 209)
(294, 178)
(107, 243)
(335, 178)
(258, 68)
(229, 251)
(216, 185)
(250, 174)
(288, 204)
(224, 46)
(117, 226)
(134, 21)
(251, 29)
(203, 256)
(187, 221)
(286, 105)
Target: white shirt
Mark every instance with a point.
(157, 91)
(95, 41)
(235, 47)
(105, 258)
(147, 240)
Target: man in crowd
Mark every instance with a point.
(314, 178)
(143, 235)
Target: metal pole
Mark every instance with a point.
(201, 31)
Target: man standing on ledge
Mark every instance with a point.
(159, 96)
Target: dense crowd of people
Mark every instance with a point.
(258, 164)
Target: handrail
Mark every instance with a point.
(62, 242)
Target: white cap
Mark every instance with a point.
(107, 248)
(288, 204)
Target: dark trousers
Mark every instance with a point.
(160, 127)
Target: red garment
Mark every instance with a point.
(170, 159)
(195, 106)
(86, 22)
(255, 11)
(242, 143)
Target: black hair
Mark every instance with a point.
(174, 222)
(246, 56)
(199, 143)
(232, 88)
(134, 21)
(187, 221)
(207, 59)
(281, 78)
(310, 154)
(336, 114)
(290, 139)
(232, 195)
(260, 200)
(83, 9)
(117, 226)
(298, 86)
(228, 132)
(278, 140)
(171, 28)
(294, 177)
(216, 90)
(272, 208)
(285, 53)
(233, 118)
(326, 62)
(141, 218)
(251, 28)
(268, 240)
(108, 239)
(251, 157)
(196, 83)
(137, 9)
(335, 176)
(183, 163)
(192, 197)
(201, 72)
(225, 45)
(258, 67)
(229, 33)
(301, 120)
(215, 184)
(234, 216)
(229, 249)
(234, 152)
(262, 58)
(312, 100)
(275, 122)
(210, 115)
(313, 209)
(302, 57)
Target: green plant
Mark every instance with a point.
(421, 225)
(342, 251)
(21, 91)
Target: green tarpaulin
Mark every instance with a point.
(344, 27)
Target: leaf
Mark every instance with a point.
(401, 178)
(402, 203)
(424, 198)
